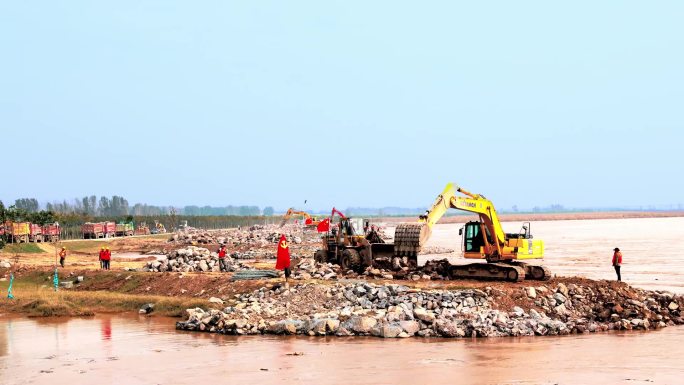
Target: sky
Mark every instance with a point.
(343, 103)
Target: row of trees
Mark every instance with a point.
(93, 206)
(20, 214)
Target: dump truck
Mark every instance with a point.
(109, 229)
(51, 232)
(35, 233)
(93, 230)
(505, 253)
(124, 229)
(18, 232)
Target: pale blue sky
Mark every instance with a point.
(343, 103)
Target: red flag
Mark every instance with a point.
(308, 221)
(283, 255)
(323, 225)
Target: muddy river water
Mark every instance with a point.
(132, 349)
(147, 350)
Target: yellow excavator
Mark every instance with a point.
(483, 239)
(309, 221)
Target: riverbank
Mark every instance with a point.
(362, 306)
(558, 307)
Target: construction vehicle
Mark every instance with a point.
(353, 244)
(93, 230)
(51, 232)
(35, 233)
(18, 232)
(159, 228)
(142, 229)
(309, 221)
(125, 229)
(483, 239)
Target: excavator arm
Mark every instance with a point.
(291, 212)
(410, 237)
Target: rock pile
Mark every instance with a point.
(256, 242)
(191, 258)
(398, 311)
(307, 268)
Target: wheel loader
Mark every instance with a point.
(353, 244)
(504, 253)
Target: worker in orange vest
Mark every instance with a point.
(617, 262)
(62, 256)
(101, 258)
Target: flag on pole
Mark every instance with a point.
(283, 255)
(56, 279)
(323, 226)
(9, 288)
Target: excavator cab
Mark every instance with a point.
(474, 239)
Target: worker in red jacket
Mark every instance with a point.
(283, 259)
(106, 258)
(617, 262)
(101, 257)
(222, 258)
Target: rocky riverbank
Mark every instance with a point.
(390, 310)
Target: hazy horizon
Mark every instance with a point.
(346, 104)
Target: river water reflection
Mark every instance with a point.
(148, 350)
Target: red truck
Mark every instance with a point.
(109, 229)
(93, 230)
(51, 233)
(35, 232)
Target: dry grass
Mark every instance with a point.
(37, 299)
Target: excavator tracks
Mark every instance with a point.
(535, 272)
(490, 271)
(409, 238)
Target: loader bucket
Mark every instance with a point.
(409, 238)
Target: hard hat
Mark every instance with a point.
(63, 248)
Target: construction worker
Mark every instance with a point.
(106, 258)
(283, 259)
(102, 251)
(617, 262)
(62, 256)
(222, 258)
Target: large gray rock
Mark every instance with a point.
(325, 326)
(284, 327)
(448, 328)
(410, 327)
(424, 315)
(387, 330)
(361, 324)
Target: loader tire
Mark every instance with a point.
(321, 256)
(350, 260)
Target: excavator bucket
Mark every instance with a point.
(409, 238)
